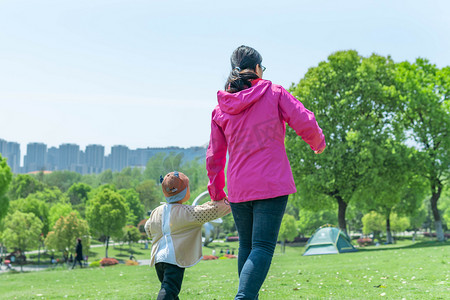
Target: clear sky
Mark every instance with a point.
(146, 73)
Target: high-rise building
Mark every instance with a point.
(68, 157)
(3, 147)
(95, 158)
(119, 157)
(13, 155)
(52, 158)
(36, 157)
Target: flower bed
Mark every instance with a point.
(108, 262)
(365, 242)
(209, 257)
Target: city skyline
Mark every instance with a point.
(93, 159)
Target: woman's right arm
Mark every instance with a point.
(216, 157)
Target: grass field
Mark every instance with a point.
(401, 271)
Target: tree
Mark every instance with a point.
(149, 194)
(353, 100)
(424, 91)
(60, 210)
(107, 214)
(374, 223)
(65, 232)
(51, 195)
(393, 181)
(35, 206)
(22, 231)
(62, 179)
(310, 220)
(136, 208)
(22, 185)
(288, 230)
(131, 235)
(5, 180)
(78, 193)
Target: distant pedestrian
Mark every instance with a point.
(78, 254)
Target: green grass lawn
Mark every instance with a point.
(401, 271)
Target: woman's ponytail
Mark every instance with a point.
(243, 63)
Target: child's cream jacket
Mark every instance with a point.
(176, 231)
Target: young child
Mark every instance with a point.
(176, 232)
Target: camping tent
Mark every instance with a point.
(328, 240)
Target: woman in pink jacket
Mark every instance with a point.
(249, 123)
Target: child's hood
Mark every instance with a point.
(235, 103)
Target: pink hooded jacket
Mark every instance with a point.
(250, 124)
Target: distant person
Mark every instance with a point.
(78, 254)
(248, 126)
(176, 232)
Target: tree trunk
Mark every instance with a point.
(389, 239)
(341, 213)
(107, 244)
(436, 189)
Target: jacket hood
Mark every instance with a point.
(235, 103)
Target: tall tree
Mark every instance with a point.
(352, 98)
(79, 193)
(62, 179)
(107, 214)
(59, 210)
(425, 93)
(22, 231)
(65, 232)
(288, 230)
(5, 179)
(22, 185)
(137, 210)
(149, 194)
(35, 206)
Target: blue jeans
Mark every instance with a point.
(258, 223)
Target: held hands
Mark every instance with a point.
(318, 151)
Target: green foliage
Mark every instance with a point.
(22, 231)
(78, 193)
(62, 179)
(399, 224)
(373, 222)
(310, 220)
(149, 194)
(352, 98)
(65, 232)
(60, 210)
(107, 214)
(35, 206)
(131, 234)
(288, 229)
(137, 211)
(424, 91)
(22, 185)
(5, 179)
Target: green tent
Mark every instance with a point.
(329, 240)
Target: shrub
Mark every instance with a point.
(95, 264)
(131, 263)
(209, 257)
(365, 242)
(109, 262)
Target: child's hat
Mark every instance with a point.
(174, 186)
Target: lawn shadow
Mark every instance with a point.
(426, 244)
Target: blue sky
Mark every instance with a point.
(146, 73)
